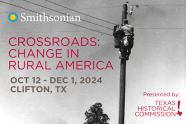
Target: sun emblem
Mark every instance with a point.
(12, 17)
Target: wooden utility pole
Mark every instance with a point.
(122, 74)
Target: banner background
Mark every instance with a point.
(156, 64)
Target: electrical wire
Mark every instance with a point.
(131, 18)
(159, 28)
(79, 12)
(157, 5)
(46, 32)
(47, 15)
(65, 14)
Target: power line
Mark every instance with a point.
(79, 12)
(156, 5)
(158, 28)
(83, 31)
(45, 32)
(41, 10)
(100, 7)
(65, 14)
(47, 15)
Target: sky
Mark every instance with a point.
(156, 64)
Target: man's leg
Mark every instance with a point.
(131, 43)
(128, 53)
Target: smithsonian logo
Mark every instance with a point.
(42, 18)
(12, 17)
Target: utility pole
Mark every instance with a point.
(122, 74)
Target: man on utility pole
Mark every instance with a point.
(128, 40)
(125, 34)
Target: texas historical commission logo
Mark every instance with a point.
(12, 17)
